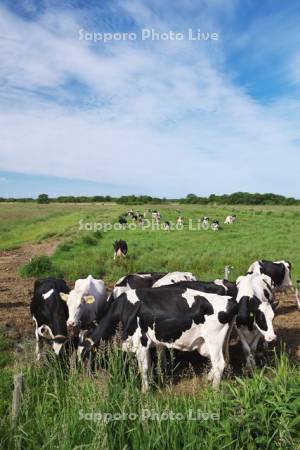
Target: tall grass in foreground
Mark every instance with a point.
(66, 410)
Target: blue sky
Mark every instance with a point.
(158, 117)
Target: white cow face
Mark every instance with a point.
(75, 300)
(264, 321)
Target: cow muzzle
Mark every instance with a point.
(271, 338)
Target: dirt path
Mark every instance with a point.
(16, 292)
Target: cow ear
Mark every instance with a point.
(64, 296)
(89, 299)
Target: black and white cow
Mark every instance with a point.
(167, 226)
(49, 313)
(215, 226)
(255, 313)
(205, 222)
(279, 272)
(230, 219)
(147, 280)
(168, 317)
(179, 221)
(122, 221)
(120, 248)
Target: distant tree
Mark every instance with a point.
(43, 199)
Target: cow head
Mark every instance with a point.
(253, 312)
(76, 300)
(287, 282)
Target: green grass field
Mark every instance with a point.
(260, 232)
(253, 412)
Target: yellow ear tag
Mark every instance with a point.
(64, 296)
(89, 299)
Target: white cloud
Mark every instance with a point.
(162, 116)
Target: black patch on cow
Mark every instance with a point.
(165, 311)
(267, 294)
(249, 312)
(231, 310)
(231, 288)
(120, 245)
(244, 316)
(144, 340)
(276, 271)
(260, 319)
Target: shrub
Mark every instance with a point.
(38, 267)
(89, 240)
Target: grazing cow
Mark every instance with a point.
(120, 248)
(205, 221)
(85, 302)
(215, 226)
(49, 313)
(147, 280)
(122, 221)
(230, 219)
(280, 273)
(255, 313)
(168, 317)
(167, 226)
(179, 221)
(156, 216)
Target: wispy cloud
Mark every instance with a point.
(167, 117)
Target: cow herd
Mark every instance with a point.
(163, 311)
(140, 218)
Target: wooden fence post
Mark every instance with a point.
(227, 270)
(17, 396)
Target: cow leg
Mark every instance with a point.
(297, 297)
(254, 345)
(162, 357)
(115, 255)
(250, 360)
(226, 344)
(39, 342)
(143, 358)
(217, 360)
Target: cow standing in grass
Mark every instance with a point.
(280, 273)
(255, 313)
(120, 248)
(168, 317)
(230, 219)
(215, 226)
(49, 313)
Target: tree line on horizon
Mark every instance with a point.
(237, 198)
